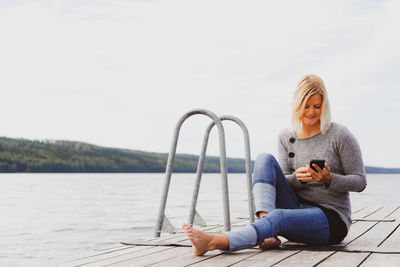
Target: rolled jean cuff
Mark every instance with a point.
(264, 197)
(244, 237)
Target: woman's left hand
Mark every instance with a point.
(323, 176)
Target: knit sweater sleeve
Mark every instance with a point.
(284, 163)
(353, 177)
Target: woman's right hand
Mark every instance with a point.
(303, 175)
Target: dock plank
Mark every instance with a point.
(343, 259)
(308, 258)
(367, 211)
(372, 237)
(186, 259)
(154, 258)
(266, 258)
(378, 233)
(128, 256)
(392, 241)
(102, 256)
(368, 234)
(116, 252)
(392, 260)
(304, 258)
(226, 259)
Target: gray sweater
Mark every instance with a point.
(340, 150)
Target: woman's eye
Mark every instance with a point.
(318, 107)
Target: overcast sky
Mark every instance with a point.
(121, 73)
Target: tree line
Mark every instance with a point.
(22, 155)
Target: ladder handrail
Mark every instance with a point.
(171, 159)
(200, 166)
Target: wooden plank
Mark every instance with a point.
(158, 257)
(116, 246)
(371, 238)
(128, 256)
(124, 251)
(97, 257)
(310, 257)
(356, 230)
(343, 259)
(379, 232)
(304, 258)
(226, 259)
(221, 259)
(186, 259)
(393, 241)
(229, 259)
(392, 260)
(360, 227)
(266, 258)
(356, 209)
(177, 240)
(115, 252)
(121, 250)
(368, 211)
(362, 233)
(181, 258)
(307, 258)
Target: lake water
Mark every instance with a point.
(48, 217)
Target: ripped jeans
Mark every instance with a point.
(286, 216)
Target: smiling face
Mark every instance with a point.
(312, 111)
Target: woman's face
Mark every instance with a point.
(312, 111)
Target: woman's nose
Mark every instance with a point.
(311, 111)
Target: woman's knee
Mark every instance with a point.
(264, 160)
(263, 166)
(276, 215)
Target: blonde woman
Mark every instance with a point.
(291, 199)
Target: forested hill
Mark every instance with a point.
(22, 155)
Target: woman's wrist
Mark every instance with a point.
(329, 178)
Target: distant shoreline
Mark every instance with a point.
(27, 156)
(1, 172)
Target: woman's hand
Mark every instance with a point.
(306, 174)
(323, 176)
(303, 175)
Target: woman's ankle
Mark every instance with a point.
(218, 241)
(262, 213)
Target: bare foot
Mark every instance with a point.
(200, 240)
(270, 242)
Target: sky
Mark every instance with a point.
(122, 73)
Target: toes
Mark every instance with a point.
(186, 228)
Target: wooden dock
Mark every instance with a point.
(373, 240)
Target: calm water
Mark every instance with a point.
(47, 217)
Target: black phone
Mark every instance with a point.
(319, 162)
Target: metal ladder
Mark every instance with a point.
(163, 223)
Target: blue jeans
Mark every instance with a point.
(286, 216)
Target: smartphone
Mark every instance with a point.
(319, 162)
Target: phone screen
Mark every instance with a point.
(319, 162)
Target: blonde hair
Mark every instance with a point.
(310, 85)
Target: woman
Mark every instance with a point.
(291, 199)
